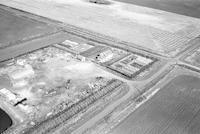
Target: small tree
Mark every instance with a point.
(99, 1)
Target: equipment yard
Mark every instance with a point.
(43, 83)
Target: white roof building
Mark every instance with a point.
(105, 56)
(143, 60)
(8, 94)
(68, 42)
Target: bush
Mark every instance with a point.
(100, 2)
